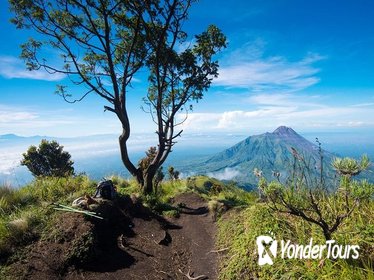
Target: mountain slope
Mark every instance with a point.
(268, 152)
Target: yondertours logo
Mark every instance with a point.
(268, 250)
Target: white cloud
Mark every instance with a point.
(226, 174)
(9, 158)
(270, 111)
(26, 121)
(368, 104)
(272, 74)
(12, 117)
(12, 67)
(248, 68)
(286, 99)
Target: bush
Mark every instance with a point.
(48, 159)
(316, 202)
(238, 230)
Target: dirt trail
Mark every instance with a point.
(197, 232)
(133, 253)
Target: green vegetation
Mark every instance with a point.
(314, 200)
(100, 41)
(239, 229)
(350, 167)
(26, 216)
(25, 213)
(173, 174)
(220, 196)
(213, 189)
(297, 210)
(48, 159)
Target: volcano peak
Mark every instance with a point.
(284, 130)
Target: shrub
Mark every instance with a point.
(173, 174)
(238, 230)
(316, 203)
(49, 159)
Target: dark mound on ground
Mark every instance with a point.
(130, 243)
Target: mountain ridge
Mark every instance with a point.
(270, 152)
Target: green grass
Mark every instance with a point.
(239, 229)
(220, 196)
(213, 189)
(26, 216)
(26, 212)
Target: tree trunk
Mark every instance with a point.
(149, 174)
(136, 172)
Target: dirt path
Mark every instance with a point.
(197, 232)
(146, 246)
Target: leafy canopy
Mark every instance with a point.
(103, 44)
(49, 159)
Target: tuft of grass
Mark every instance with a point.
(20, 228)
(170, 189)
(126, 186)
(11, 199)
(51, 189)
(216, 208)
(4, 237)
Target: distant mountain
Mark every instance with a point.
(15, 139)
(268, 152)
(9, 136)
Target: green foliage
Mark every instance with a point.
(237, 231)
(320, 207)
(213, 189)
(173, 174)
(30, 219)
(159, 177)
(12, 199)
(170, 189)
(101, 41)
(146, 161)
(317, 203)
(349, 166)
(19, 228)
(52, 189)
(48, 159)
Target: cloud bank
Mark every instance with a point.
(271, 110)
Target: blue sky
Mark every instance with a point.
(304, 64)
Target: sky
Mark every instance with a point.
(304, 64)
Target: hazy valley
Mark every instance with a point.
(224, 156)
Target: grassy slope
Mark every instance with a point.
(26, 216)
(26, 213)
(238, 231)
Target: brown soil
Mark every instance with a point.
(132, 243)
